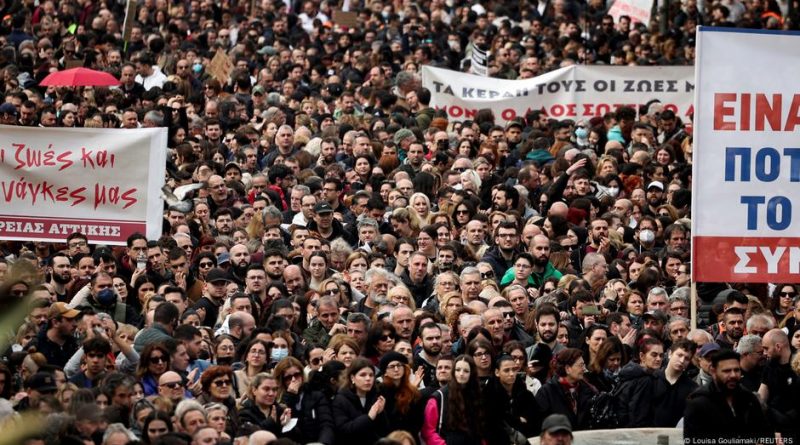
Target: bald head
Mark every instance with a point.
(261, 438)
(558, 209)
(169, 377)
(613, 145)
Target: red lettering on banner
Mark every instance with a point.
(746, 259)
(756, 111)
(508, 114)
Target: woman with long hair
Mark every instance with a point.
(358, 408)
(636, 381)
(255, 358)
(454, 414)
(482, 351)
(403, 400)
(604, 367)
(567, 392)
(591, 339)
(512, 411)
(310, 405)
(154, 360)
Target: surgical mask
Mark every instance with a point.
(613, 191)
(106, 297)
(454, 45)
(647, 236)
(278, 354)
(197, 67)
(581, 133)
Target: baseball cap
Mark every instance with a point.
(8, 108)
(41, 382)
(217, 274)
(658, 315)
(61, 309)
(224, 257)
(555, 423)
(258, 89)
(707, 349)
(323, 207)
(656, 184)
(513, 123)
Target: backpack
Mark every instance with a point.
(603, 411)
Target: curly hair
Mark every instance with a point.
(213, 372)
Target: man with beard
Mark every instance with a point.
(539, 355)
(505, 198)
(672, 386)
(723, 409)
(378, 286)
(543, 269)
(325, 325)
(213, 296)
(506, 241)
(655, 197)
(779, 384)
(60, 275)
(733, 322)
(223, 222)
(255, 286)
(428, 357)
(416, 277)
(327, 151)
(240, 261)
(294, 280)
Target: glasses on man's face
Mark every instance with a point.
(173, 385)
(74, 244)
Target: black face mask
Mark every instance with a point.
(224, 361)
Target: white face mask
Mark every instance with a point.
(613, 191)
(647, 236)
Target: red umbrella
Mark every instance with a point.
(79, 77)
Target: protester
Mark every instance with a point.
(342, 215)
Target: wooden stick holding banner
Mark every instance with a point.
(127, 27)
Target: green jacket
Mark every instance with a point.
(535, 279)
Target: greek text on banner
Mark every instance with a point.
(104, 183)
(747, 162)
(574, 92)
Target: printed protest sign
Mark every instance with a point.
(747, 158)
(104, 183)
(480, 62)
(574, 92)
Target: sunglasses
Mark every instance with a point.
(292, 376)
(487, 275)
(158, 359)
(206, 265)
(788, 294)
(387, 337)
(173, 385)
(460, 169)
(219, 383)
(316, 361)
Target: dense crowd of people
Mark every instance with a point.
(351, 265)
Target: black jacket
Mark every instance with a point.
(635, 393)
(353, 425)
(314, 418)
(420, 291)
(499, 264)
(411, 420)
(708, 416)
(669, 401)
(519, 410)
(553, 400)
(250, 413)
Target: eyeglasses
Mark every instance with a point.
(518, 358)
(480, 354)
(173, 385)
(157, 359)
(395, 366)
(292, 376)
(219, 383)
(462, 212)
(258, 352)
(78, 244)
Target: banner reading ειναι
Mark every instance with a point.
(573, 92)
(104, 183)
(746, 172)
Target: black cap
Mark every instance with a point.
(42, 382)
(389, 357)
(555, 423)
(658, 315)
(217, 274)
(323, 207)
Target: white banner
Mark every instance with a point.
(747, 164)
(637, 10)
(574, 92)
(104, 183)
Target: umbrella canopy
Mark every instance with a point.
(79, 77)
